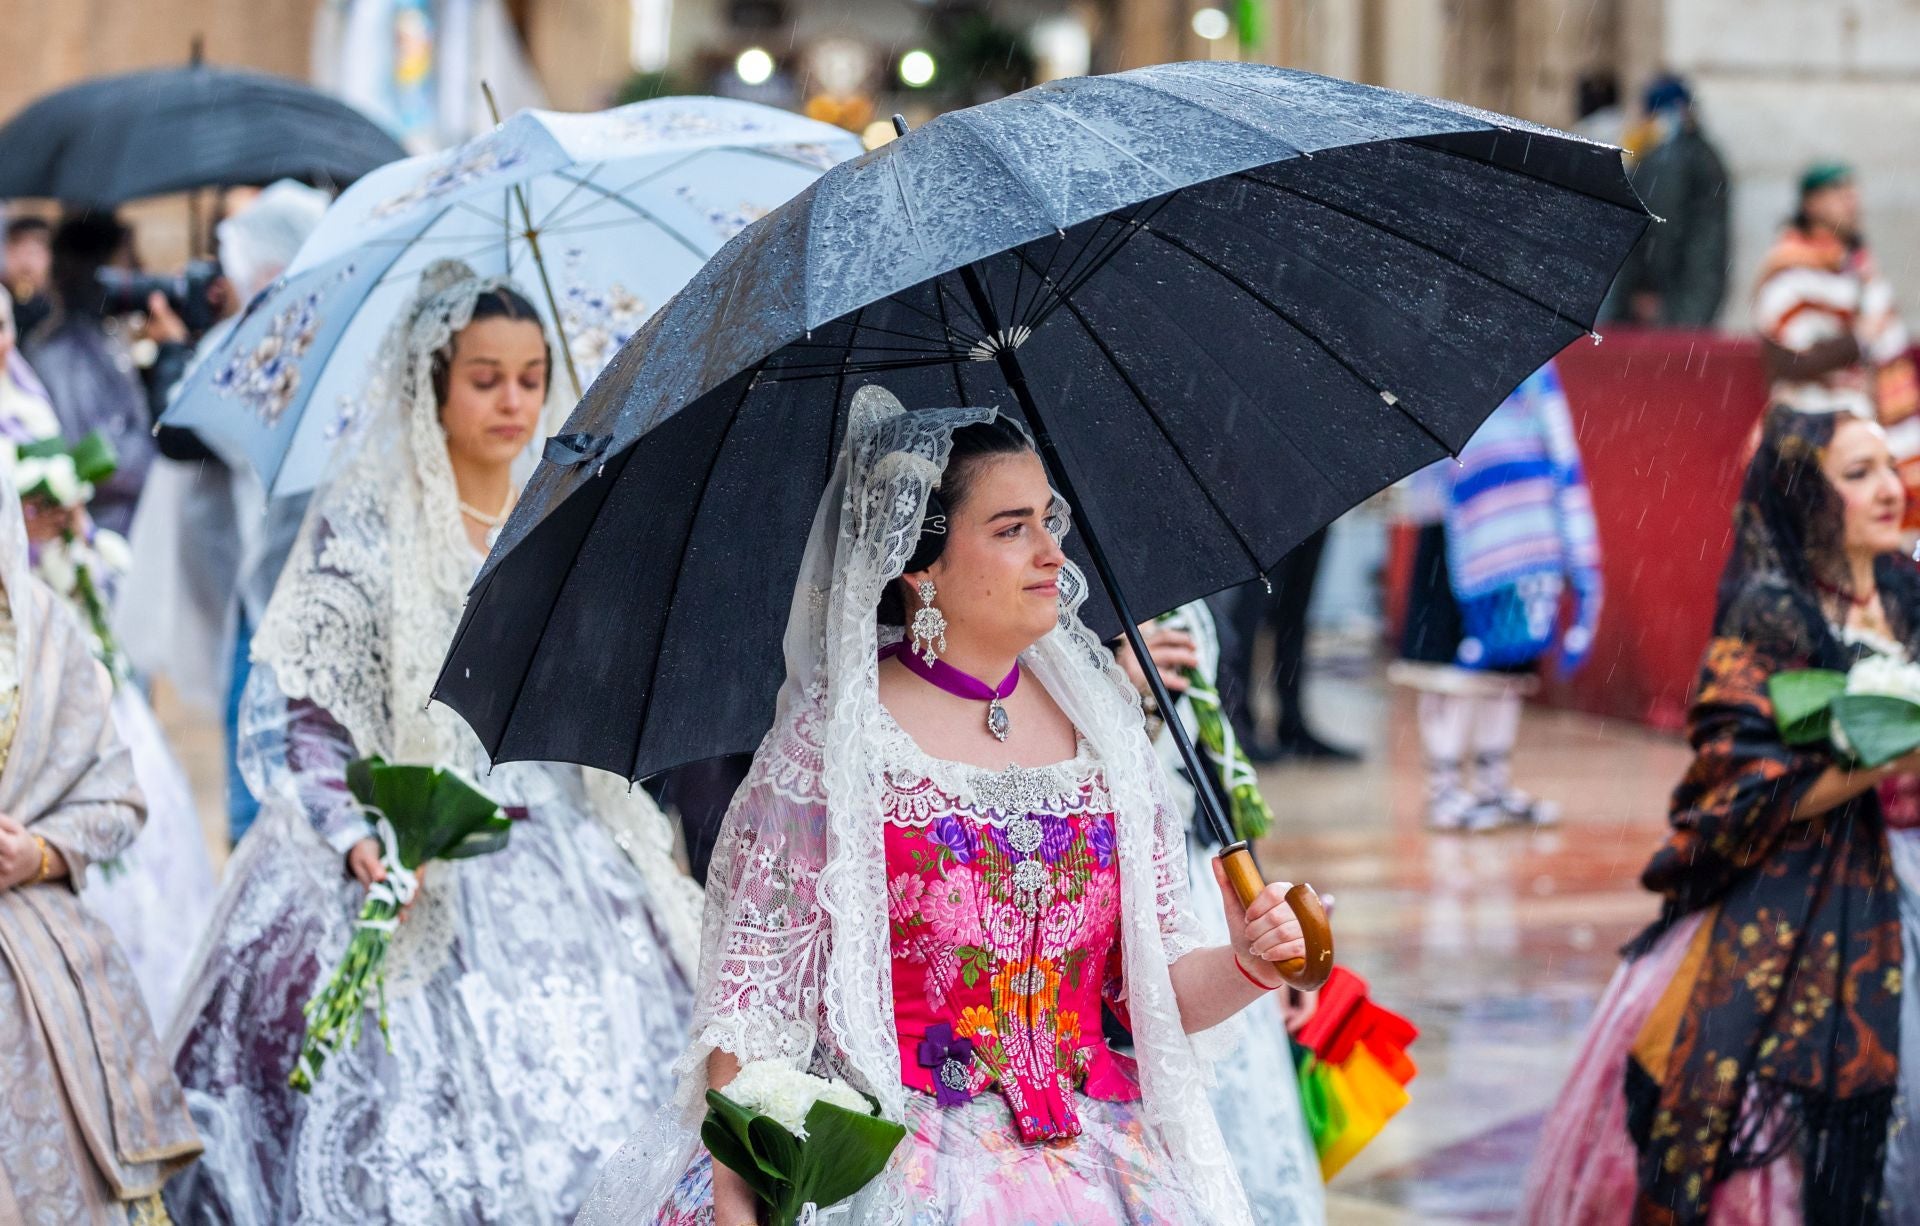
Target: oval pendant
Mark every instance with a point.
(997, 722)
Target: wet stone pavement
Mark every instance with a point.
(1496, 945)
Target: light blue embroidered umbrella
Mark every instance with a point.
(599, 217)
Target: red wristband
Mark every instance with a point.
(1246, 975)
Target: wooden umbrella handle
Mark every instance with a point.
(1305, 974)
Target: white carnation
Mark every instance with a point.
(29, 473)
(115, 554)
(63, 481)
(56, 570)
(1887, 676)
(785, 1094)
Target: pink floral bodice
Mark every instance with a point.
(1004, 922)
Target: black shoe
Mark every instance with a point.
(1303, 746)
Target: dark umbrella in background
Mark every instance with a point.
(108, 140)
(1230, 301)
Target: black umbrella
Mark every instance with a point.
(1230, 301)
(111, 139)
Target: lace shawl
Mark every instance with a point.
(794, 960)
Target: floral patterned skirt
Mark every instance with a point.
(964, 1166)
(1583, 1172)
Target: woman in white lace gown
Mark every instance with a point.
(902, 897)
(535, 995)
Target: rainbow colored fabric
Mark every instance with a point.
(1354, 1069)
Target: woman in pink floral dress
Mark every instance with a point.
(952, 853)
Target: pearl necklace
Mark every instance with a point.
(492, 523)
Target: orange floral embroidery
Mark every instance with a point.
(974, 1020)
(1028, 980)
(1067, 1025)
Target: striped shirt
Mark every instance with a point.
(1815, 288)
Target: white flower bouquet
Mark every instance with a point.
(78, 564)
(419, 813)
(802, 1143)
(1870, 713)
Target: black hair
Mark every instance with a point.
(21, 227)
(83, 244)
(498, 303)
(971, 445)
(1789, 521)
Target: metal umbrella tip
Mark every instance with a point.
(1388, 396)
(899, 125)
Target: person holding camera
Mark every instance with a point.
(83, 356)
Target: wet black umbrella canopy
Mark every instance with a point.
(111, 139)
(1230, 300)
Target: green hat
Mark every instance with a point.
(1823, 175)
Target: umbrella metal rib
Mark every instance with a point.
(1250, 291)
(1160, 426)
(1009, 362)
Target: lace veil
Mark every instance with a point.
(371, 597)
(794, 961)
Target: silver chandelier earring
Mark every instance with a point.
(929, 625)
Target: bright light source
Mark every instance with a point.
(878, 133)
(1211, 24)
(754, 66)
(916, 68)
(1062, 46)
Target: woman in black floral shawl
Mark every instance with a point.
(1743, 1065)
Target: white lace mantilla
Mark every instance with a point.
(795, 957)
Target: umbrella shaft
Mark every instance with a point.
(1205, 797)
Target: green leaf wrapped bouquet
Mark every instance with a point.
(802, 1143)
(1252, 818)
(1870, 713)
(419, 813)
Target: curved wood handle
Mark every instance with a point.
(1306, 974)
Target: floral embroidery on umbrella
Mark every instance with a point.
(450, 174)
(726, 222)
(655, 123)
(812, 154)
(266, 377)
(596, 321)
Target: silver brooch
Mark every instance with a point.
(1029, 876)
(1024, 835)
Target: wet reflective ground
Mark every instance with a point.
(1496, 945)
